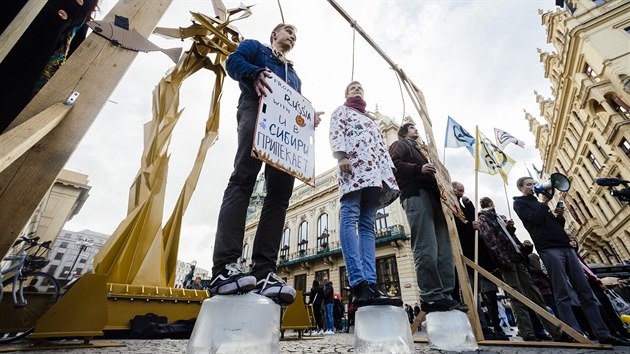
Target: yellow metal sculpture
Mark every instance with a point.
(141, 251)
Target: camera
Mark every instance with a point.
(560, 205)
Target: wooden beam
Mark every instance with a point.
(20, 23)
(18, 140)
(416, 323)
(527, 302)
(93, 70)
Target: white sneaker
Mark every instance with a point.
(329, 332)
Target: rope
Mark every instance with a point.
(402, 96)
(354, 32)
(281, 14)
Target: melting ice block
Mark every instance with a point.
(451, 331)
(382, 329)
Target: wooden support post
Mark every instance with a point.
(527, 302)
(416, 323)
(18, 140)
(20, 23)
(93, 70)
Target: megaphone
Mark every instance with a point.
(556, 181)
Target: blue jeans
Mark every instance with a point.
(431, 246)
(358, 211)
(328, 312)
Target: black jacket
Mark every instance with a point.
(328, 293)
(546, 230)
(316, 296)
(408, 160)
(467, 239)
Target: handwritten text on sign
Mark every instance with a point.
(284, 131)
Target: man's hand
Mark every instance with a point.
(510, 223)
(465, 200)
(475, 224)
(428, 168)
(344, 165)
(318, 119)
(559, 211)
(260, 84)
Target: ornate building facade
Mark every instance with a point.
(586, 133)
(311, 250)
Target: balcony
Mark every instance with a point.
(394, 232)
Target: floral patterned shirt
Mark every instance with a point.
(358, 136)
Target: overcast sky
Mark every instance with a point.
(474, 60)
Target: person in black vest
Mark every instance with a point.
(329, 301)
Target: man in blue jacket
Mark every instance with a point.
(560, 259)
(251, 65)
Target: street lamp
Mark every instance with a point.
(83, 245)
(191, 274)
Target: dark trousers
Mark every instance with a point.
(317, 312)
(228, 243)
(563, 263)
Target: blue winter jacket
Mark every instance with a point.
(250, 58)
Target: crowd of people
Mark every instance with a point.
(372, 175)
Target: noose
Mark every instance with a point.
(281, 14)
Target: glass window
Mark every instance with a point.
(625, 147)
(300, 282)
(245, 251)
(322, 224)
(382, 216)
(59, 255)
(594, 161)
(82, 260)
(303, 237)
(320, 275)
(387, 275)
(619, 105)
(589, 71)
(52, 269)
(63, 245)
(286, 242)
(344, 284)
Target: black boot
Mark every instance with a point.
(361, 294)
(377, 297)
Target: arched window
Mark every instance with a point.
(286, 242)
(322, 231)
(245, 252)
(303, 237)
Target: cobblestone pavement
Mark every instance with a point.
(338, 343)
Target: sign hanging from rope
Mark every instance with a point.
(285, 129)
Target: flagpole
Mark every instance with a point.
(476, 274)
(507, 200)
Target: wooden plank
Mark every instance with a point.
(416, 323)
(20, 23)
(93, 70)
(18, 140)
(546, 344)
(527, 302)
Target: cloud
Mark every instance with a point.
(475, 61)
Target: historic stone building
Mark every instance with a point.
(310, 246)
(586, 133)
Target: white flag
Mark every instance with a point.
(457, 136)
(505, 138)
(491, 159)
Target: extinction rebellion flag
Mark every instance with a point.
(457, 136)
(490, 159)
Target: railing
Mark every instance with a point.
(394, 232)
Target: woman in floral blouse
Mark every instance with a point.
(366, 183)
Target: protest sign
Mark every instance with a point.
(285, 128)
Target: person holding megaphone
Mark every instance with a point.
(546, 229)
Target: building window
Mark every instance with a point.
(59, 256)
(286, 241)
(344, 283)
(300, 282)
(52, 269)
(619, 106)
(303, 237)
(594, 162)
(387, 275)
(65, 272)
(584, 206)
(322, 224)
(381, 219)
(320, 275)
(589, 71)
(625, 147)
(82, 260)
(245, 252)
(63, 245)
